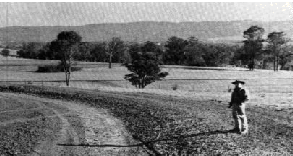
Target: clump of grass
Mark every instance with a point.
(22, 138)
(175, 86)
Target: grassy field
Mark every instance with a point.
(266, 86)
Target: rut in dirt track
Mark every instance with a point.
(98, 128)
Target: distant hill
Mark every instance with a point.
(218, 31)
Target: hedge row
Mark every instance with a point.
(55, 68)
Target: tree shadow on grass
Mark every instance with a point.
(180, 137)
(150, 145)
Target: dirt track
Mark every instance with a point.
(97, 127)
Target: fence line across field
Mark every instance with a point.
(199, 85)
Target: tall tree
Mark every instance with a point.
(66, 44)
(126, 58)
(149, 47)
(45, 53)
(98, 53)
(175, 50)
(238, 55)
(115, 49)
(152, 47)
(132, 48)
(253, 44)
(83, 53)
(217, 54)
(276, 40)
(285, 55)
(194, 52)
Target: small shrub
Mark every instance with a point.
(5, 52)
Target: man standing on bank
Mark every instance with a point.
(239, 98)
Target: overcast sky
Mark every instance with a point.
(69, 14)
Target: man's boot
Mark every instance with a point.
(237, 127)
(244, 124)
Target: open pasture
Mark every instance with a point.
(266, 87)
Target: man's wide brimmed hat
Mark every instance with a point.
(237, 81)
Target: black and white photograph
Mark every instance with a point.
(146, 78)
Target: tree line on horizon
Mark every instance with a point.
(177, 51)
(143, 59)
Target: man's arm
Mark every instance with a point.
(246, 95)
